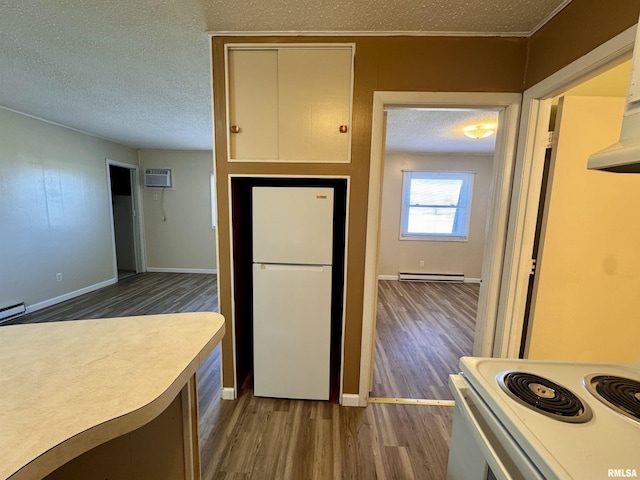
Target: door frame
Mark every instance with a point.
(138, 230)
(504, 158)
(532, 139)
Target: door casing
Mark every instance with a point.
(509, 105)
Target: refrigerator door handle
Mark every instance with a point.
(286, 266)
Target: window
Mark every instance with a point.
(436, 205)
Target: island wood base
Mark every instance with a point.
(166, 448)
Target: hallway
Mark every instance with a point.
(422, 329)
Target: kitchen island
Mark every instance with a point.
(109, 398)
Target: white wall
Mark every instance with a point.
(438, 256)
(54, 209)
(185, 241)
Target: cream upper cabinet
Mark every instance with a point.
(289, 104)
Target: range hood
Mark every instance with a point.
(624, 156)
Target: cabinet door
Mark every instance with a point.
(253, 104)
(314, 88)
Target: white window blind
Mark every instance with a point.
(436, 205)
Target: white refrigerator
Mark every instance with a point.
(292, 255)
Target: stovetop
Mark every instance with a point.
(544, 396)
(622, 394)
(607, 440)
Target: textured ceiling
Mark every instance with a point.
(515, 17)
(138, 72)
(438, 130)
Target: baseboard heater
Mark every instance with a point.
(431, 277)
(12, 311)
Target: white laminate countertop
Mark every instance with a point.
(66, 387)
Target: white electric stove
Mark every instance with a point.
(567, 432)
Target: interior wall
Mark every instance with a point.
(381, 63)
(435, 64)
(439, 256)
(54, 209)
(185, 239)
(586, 301)
(579, 28)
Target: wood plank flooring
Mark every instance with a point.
(259, 438)
(144, 294)
(422, 329)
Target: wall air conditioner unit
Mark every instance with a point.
(158, 178)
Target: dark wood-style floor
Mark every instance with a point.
(145, 294)
(422, 330)
(258, 438)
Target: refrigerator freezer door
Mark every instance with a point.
(291, 331)
(293, 225)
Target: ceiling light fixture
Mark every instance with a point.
(480, 131)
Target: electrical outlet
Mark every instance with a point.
(421, 263)
(58, 277)
(155, 197)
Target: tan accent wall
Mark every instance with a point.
(579, 28)
(381, 63)
(439, 256)
(586, 297)
(186, 239)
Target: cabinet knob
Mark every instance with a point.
(343, 129)
(235, 129)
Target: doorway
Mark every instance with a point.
(436, 188)
(579, 234)
(241, 192)
(508, 107)
(532, 143)
(124, 219)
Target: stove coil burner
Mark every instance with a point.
(544, 396)
(619, 393)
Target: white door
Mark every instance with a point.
(585, 299)
(314, 89)
(292, 331)
(293, 225)
(253, 104)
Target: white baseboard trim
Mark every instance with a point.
(352, 400)
(228, 393)
(472, 280)
(182, 270)
(70, 295)
(387, 277)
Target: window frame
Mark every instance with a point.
(462, 235)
